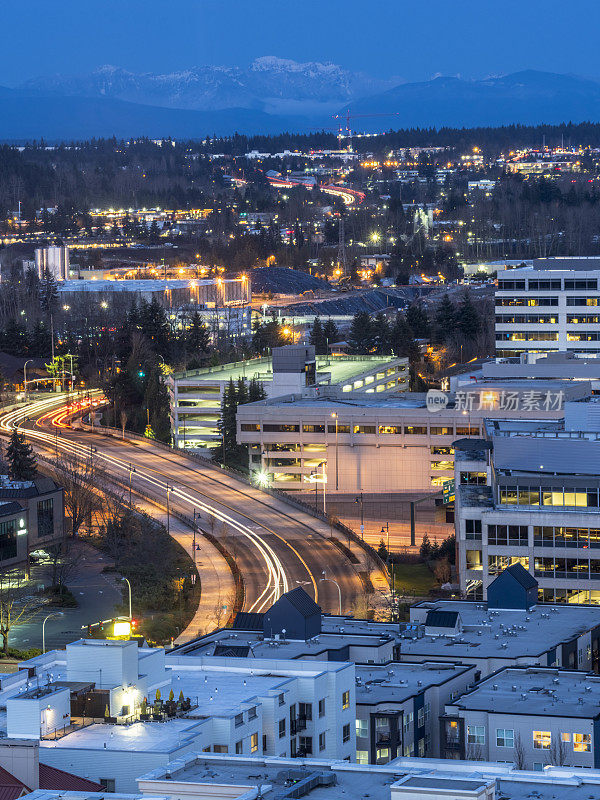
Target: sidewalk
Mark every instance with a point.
(216, 580)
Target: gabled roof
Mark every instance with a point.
(441, 619)
(302, 602)
(248, 621)
(53, 778)
(520, 574)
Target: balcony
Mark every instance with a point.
(297, 725)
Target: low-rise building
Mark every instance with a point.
(529, 716)
(370, 441)
(108, 710)
(31, 518)
(196, 395)
(398, 707)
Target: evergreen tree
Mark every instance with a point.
(417, 318)
(317, 337)
(402, 340)
(330, 332)
(227, 425)
(197, 335)
(48, 293)
(156, 400)
(361, 337)
(256, 391)
(241, 392)
(445, 320)
(21, 460)
(467, 317)
(381, 334)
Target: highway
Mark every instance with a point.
(276, 546)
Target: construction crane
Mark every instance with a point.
(348, 116)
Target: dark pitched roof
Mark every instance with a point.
(302, 602)
(11, 788)
(53, 778)
(520, 574)
(441, 619)
(248, 621)
(232, 650)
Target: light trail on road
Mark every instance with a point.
(277, 579)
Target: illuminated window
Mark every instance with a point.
(542, 740)
(582, 742)
(345, 700)
(254, 743)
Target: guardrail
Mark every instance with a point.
(278, 494)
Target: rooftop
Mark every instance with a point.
(397, 682)
(146, 737)
(235, 642)
(276, 776)
(511, 633)
(341, 367)
(547, 456)
(536, 691)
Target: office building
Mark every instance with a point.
(528, 494)
(547, 310)
(54, 260)
(531, 717)
(196, 395)
(386, 443)
(31, 518)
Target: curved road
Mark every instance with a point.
(276, 546)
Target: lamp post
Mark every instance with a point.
(55, 614)
(129, 587)
(169, 490)
(337, 452)
(29, 361)
(359, 501)
(131, 470)
(331, 580)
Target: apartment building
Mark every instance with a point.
(361, 443)
(531, 717)
(196, 395)
(109, 710)
(530, 495)
(398, 706)
(547, 310)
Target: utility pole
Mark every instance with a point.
(342, 258)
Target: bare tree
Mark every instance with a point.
(17, 607)
(222, 609)
(557, 754)
(65, 559)
(124, 417)
(519, 752)
(442, 571)
(77, 477)
(474, 752)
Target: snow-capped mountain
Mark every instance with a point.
(271, 84)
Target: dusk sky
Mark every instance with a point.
(386, 37)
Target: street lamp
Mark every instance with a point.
(129, 587)
(359, 501)
(169, 490)
(337, 483)
(331, 580)
(29, 361)
(55, 614)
